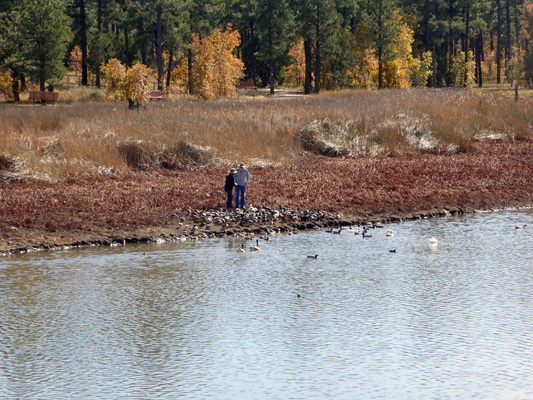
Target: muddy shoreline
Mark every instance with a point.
(316, 193)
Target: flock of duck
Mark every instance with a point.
(364, 231)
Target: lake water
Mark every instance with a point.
(198, 320)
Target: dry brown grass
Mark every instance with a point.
(67, 140)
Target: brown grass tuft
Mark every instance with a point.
(67, 140)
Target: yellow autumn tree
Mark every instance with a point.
(295, 71)
(74, 60)
(6, 84)
(396, 69)
(179, 76)
(123, 83)
(216, 69)
(365, 60)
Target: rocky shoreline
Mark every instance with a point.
(243, 223)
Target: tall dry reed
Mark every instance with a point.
(105, 138)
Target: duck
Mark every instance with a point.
(390, 233)
(241, 250)
(256, 247)
(315, 256)
(520, 226)
(433, 240)
(357, 230)
(392, 251)
(337, 231)
(366, 235)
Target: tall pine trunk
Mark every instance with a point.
(83, 34)
(308, 61)
(499, 43)
(318, 60)
(159, 46)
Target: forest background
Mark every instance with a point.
(318, 44)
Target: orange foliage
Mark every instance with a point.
(6, 84)
(215, 68)
(123, 84)
(396, 69)
(74, 60)
(366, 62)
(295, 72)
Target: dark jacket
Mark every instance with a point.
(230, 182)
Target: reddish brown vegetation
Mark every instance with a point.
(498, 174)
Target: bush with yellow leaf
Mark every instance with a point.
(123, 83)
(6, 84)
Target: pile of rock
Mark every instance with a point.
(253, 221)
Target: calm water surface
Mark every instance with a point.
(201, 321)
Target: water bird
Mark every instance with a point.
(338, 231)
(390, 233)
(357, 230)
(241, 250)
(315, 256)
(366, 235)
(281, 251)
(256, 247)
(433, 240)
(392, 251)
(520, 226)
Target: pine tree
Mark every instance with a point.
(274, 30)
(40, 33)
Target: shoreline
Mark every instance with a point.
(329, 221)
(166, 205)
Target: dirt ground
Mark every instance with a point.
(140, 206)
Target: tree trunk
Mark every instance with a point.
(509, 51)
(498, 43)
(15, 87)
(254, 61)
(479, 54)
(170, 67)
(190, 82)
(427, 17)
(308, 61)
(380, 67)
(83, 34)
(270, 58)
(467, 33)
(99, 26)
(318, 60)
(159, 46)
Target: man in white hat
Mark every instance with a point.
(242, 177)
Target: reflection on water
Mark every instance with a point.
(199, 320)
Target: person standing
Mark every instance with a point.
(242, 177)
(228, 187)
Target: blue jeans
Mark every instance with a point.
(242, 191)
(230, 198)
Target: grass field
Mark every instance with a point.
(76, 137)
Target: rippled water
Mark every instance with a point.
(198, 320)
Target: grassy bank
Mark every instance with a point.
(103, 138)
